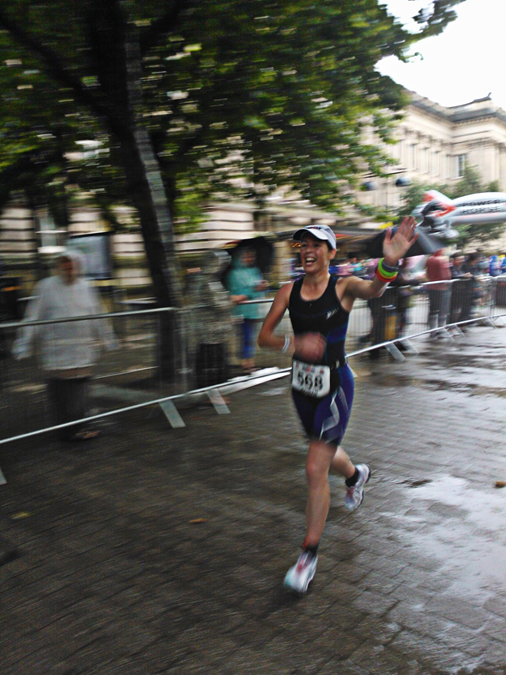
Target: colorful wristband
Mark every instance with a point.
(388, 268)
(385, 273)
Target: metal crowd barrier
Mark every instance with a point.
(131, 372)
(429, 310)
(162, 359)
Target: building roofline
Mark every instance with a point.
(476, 100)
(459, 114)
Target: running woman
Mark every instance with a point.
(319, 305)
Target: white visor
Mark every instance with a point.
(319, 231)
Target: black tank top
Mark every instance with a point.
(324, 315)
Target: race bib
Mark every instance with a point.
(310, 380)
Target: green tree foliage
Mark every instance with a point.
(469, 184)
(412, 196)
(213, 98)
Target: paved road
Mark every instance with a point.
(116, 577)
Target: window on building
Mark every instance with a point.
(436, 159)
(460, 165)
(412, 156)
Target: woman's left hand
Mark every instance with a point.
(395, 247)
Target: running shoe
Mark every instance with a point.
(300, 575)
(355, 495)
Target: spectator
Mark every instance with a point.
(494, 266)
(341, 266)
(383, 320)
(472, 268)
(460, 286)
(404, 287)
(438, 272)
(68, 350)
(369, 267)
(245, 279)
(456, 262)
(375, 306)
(356, 265)
(482, 262)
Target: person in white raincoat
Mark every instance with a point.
(67, 350)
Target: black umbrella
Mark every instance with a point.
(426, 244)
(262, 247)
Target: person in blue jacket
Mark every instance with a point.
(245, 279)
(494, 266)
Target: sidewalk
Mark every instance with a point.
(155, 550)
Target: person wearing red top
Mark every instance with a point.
(438, 270)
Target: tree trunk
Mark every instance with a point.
(147, 192)
(146, 185)
(146, 189)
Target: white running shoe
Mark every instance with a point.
(355, 495)
(299, 576)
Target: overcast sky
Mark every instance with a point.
(467, 61)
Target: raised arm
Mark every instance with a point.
(395, 247)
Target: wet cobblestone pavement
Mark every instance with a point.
(154, 550)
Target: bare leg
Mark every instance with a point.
(319, 461)
(342, 464)
(321, 457)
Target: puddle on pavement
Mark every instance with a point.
(416, 483)
(470, 539)
(396, 380)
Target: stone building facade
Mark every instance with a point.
(435, 143)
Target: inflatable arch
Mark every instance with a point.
(439, 214)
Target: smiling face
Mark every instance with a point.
(315, 254)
